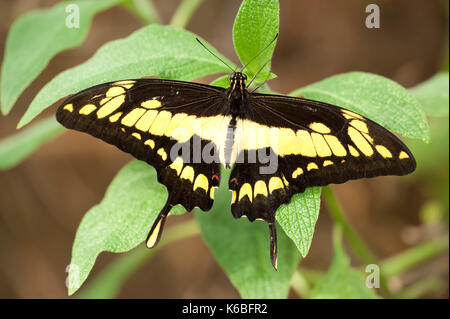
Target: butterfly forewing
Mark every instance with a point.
(164, 123)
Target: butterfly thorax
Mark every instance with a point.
(237, 94)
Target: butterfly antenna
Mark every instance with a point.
(259, 71)
(276, 36)
(214, 54)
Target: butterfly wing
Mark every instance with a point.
(164, 123)
(287, 144)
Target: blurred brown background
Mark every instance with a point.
(43, 200)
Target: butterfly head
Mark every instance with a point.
(237, 81)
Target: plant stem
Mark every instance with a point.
(144, 10)
(355, 242)
(418, 289)
(300, 284)
(109, 282)
(336, 212)
(184, 13)
(412, 257)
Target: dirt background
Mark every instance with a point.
(43, 200)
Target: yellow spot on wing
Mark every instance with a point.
(321, 145)
(115, 91)
(161, 152)
(353, 151)
(177, 165)
(113, 118)
(287, 142)
(260, 188)
(327, 163)
(131, 118)
(275, 183)
(110, 106)
(188, 173)
(360, 126)
(160, 123)
(211, 193)
(306, 144)
(201, 181)
(154, 235)
(403, 155)
(126, 84)
(151, 104)
(233, 199)
(297, 172)
(319, 127)
(136, 135)
(312, 166)
(286, 183)
(350, 114)
(68, 107)
(246, 190)
(174, 123)
(150, 143)
(87, 109)
(185, 130)
(360, 141)
(145, 122)
(383, 151)
(336, 147)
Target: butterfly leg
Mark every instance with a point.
(154, 235)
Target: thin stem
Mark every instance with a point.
(420, 288)
(109, 282)
(300, 284)
(144, 10)
(336, 212)
(355, 242)
(414, 256)
(184, 13)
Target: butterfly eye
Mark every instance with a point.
(244, 76)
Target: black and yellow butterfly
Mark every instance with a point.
(276, 145)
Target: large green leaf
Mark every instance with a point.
(256, 24)
(433, 95)
(299, 217)
(38, 36)
(378, 98)
(163, 51)
(341, 281)
(120, 222)
(242, 249)
(17, 147)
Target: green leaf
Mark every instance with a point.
(222, 81)
(378, 98)
(162, 51)
(433, 95)
(299, 217)
(120, 222)
(341, 281)
(110, 281)
(19, 146)
(242, 249)
(38, 36)
(256, 24)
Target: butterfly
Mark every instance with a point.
(276, 145)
